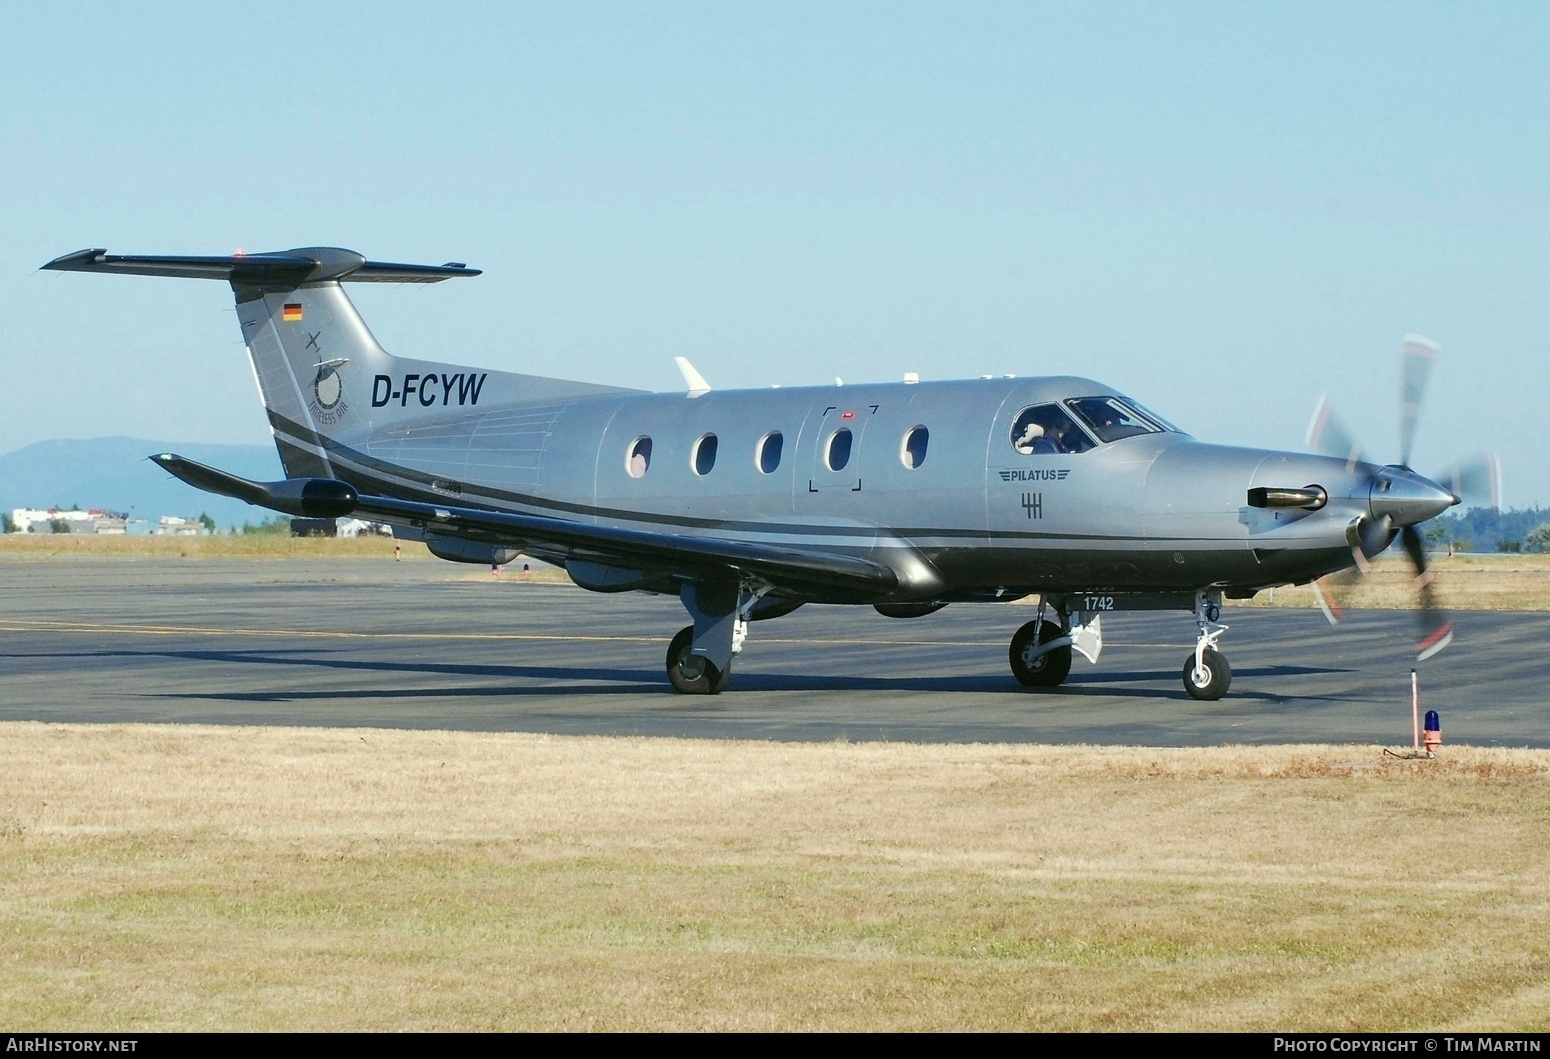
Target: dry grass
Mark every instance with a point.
(1463, 582)
(180, 877)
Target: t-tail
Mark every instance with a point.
(324, 380)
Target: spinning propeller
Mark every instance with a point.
(1401, 499)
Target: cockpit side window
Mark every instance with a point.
(1046, 429)
(1111, 419)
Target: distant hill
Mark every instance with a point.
(113, 473)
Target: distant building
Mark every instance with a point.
(102, 522)
(173, 526)
(53, 520)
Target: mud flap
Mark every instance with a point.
(1086, 632)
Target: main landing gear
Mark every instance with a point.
(1039, 657)
(693, 674)
(699, 660)
(1041, 650)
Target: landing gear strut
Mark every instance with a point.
(1207, 675)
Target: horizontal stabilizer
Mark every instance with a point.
(672, 553)
(305, 497)
(285, 268)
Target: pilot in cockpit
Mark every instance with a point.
(1046, 430)
(1038, 440)
(1054, 439)
(1031, 435)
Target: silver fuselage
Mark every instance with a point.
(975, 519)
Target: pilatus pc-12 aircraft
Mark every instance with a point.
(748, 504)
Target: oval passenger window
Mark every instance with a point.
(769, 451)
(637, 460)
(839, 450)
(913, 452)
(705, 454)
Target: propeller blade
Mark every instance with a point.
(1328, 436)
(1330, 590)
(1478, 482)
(1333, 613)
(1417, 357)
(1328, 597)
(1435, 627)
(1415, 547)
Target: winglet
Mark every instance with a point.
(698, 387)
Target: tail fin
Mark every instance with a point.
(319, 369)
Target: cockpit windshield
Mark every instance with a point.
(1111, 419)
(1172, 428)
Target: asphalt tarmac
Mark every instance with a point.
(436, 646)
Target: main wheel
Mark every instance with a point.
(1047, 670)
(1213, 678)
(690, 673)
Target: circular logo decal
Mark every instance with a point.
(327, 386)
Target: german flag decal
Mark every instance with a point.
(292, 313)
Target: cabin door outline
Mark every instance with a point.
(834, 418)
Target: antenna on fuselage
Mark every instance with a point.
(698, 387)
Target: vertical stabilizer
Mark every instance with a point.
(315, 360)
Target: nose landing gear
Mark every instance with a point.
(1207, 675)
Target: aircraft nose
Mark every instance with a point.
(1406, 498)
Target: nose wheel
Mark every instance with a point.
(1208, 679)
(1207, 676)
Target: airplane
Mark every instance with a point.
(748, 504)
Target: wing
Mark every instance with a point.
(800, 571)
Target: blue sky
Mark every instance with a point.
(1224, 209)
